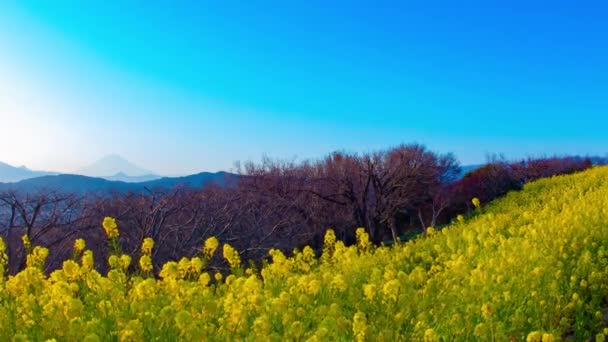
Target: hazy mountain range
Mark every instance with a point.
(83, 184)
(109, 174)
(10, 173)
(112, 167)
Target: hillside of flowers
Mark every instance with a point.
(530, 266)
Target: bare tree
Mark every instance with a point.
(46, 217)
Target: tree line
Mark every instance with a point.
(272, 204)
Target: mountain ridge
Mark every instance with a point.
(80, 184)
(9, 173)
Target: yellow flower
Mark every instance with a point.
(26, 242)
(338, 283)
(329, 245)
(210, 246)
(314, 286)
(230, 279)
(486, 311)
(145, 263)
(549, 338)
(169, 271)
(88, 263)
(37, 257)
(363, 242)
(476, 202)
(330, 238)
(125, 261)
(79, 245)
(535, 336)
(183, 266)
(391, 289)
(3, 258)
(114, 261)
(430, 336)
(231, 255)
(71, 269)
(196, 265)
(204, 279)
(133, 331)
(359, 326)
(147, 245)
(369, 290)
(111, 228)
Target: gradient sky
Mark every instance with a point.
(197, 86)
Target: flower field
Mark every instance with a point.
(530, 266)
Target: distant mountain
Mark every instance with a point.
(123, 177)
(10, 173)
(67, 184)
(193, 181)
(83, 184)
(114, 165)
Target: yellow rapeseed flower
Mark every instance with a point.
(204, 279)
(26, 242)
(183, 266)
(79, 245)
(88, 263)
(330, 238)
(363, 242)
(486, 311)
(147, 245)
(369, 291)
(71, 269)
(430, 336)
(111, 228)
(359, 326)
(114, 261)
(145, 263)
(535, 336)
(37, 257)
(231, 255)
(169, 270)
(125, 261)
(196, 265)
(210, 246)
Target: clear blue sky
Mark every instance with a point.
(179, 88)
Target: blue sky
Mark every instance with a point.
(180, 87)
